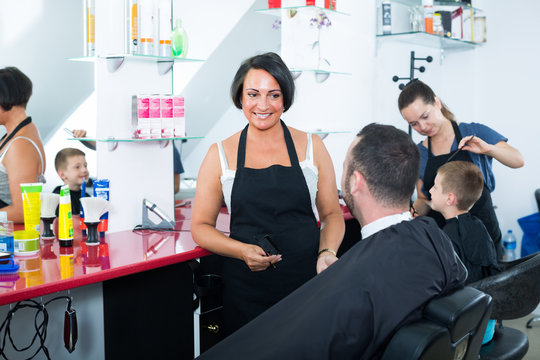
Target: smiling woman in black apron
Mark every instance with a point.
(448, 140)
(271, 177)
(22, 158)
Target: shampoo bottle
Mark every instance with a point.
(179, 40)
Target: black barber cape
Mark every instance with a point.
(473, 245)
(351, 309)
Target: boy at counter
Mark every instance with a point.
(457, 187)
(70, 164)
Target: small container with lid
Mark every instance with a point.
(26, 242)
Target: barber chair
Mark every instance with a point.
(452, 327)
(516, 293)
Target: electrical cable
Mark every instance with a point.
(40, 327)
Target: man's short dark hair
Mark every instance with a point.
(389, 161)
(274, 65)
(15, 88)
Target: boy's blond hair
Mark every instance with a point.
(62, 157)
(465, 180)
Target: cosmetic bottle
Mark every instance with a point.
(6, 233)
(428, 15)
(179, 40)
(386, 17)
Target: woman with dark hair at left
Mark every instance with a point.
(271, 177)
(22, 157)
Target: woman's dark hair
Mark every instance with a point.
(274, 65)
(15, 88)
(417, 89)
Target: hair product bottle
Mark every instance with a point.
(428, 15)
(90, 29)
(386, 17)
(179, 40)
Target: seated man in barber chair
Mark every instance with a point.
(351, 310)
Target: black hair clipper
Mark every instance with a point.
(70, 329)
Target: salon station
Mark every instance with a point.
(153, 280)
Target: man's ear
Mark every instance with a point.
(357, 182)
(451, 199)
(61, 174)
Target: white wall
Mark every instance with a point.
(37, 36)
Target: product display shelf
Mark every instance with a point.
(438, 4)
(431, 40)
(114, 61)
(324, 133)
(135, 57)
(113, 142)
(277, 11)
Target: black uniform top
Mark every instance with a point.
(473, 245)
(351, 309)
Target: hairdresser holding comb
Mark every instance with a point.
(447, 140)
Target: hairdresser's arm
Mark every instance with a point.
(23, 165)
(206, 206)
(422, 204)
(332, 223)
(81, 133)
(502, 152)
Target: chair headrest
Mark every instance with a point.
(459, 311)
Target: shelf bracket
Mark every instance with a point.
(164, 66)
(112, 145)
(163, 144)
(114, 63)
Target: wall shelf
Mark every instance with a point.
(466, 6)
(113, 142)
(431, 40)
(277, 11)
(114, 61)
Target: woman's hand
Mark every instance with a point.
(256, 258)
(325, 260)
(502, 152)
(79, 133)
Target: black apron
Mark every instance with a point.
(482, 209)
(273, 201)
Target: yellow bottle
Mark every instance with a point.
(65, 219)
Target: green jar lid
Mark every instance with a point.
(25, 235)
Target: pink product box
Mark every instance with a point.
(167, 122)
(143, 117)
(179, 119)
(155, 116)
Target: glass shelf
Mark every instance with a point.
(438, 3)
(277, 11)
(112, 139)
(135, 57)
(431, 40)
(112, 142)
(318, 71)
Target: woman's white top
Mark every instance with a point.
(310, 171)
(5, 195)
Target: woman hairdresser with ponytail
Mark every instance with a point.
(449, 140)
(22, 157)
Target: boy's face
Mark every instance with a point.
(438, 197)
(75, 173)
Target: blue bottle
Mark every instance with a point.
(6, 233)
(509, 245)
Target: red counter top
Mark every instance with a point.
(118, 254)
